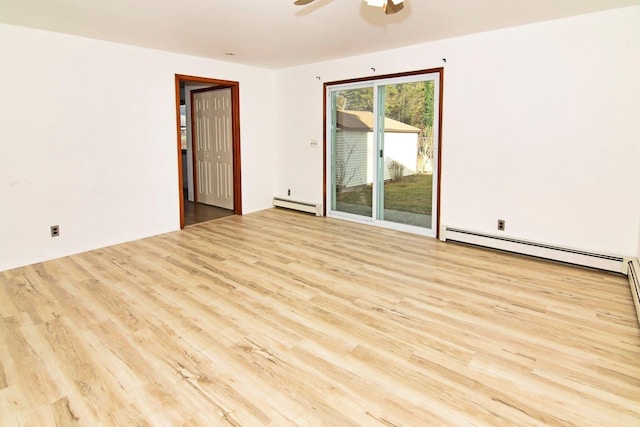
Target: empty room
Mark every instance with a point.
(320, 212)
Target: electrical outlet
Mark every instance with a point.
(288, 192)
(55, 230)
(314, 143)
(501, 224)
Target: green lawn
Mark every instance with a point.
(411, 194)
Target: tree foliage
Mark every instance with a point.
(355, 99)
(411, 103)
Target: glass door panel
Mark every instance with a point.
(383, 152)
(406, 161)
(352, 168)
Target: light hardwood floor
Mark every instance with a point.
(279, 318)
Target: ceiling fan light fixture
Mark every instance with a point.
(380, 3)
(389, 7)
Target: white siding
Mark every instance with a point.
(403, 148)
(357, 147)
(352, 158)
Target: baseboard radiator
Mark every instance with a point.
(311, 208)
(634, 282)
(540, 250)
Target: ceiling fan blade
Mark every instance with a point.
(390, 8)
(302, 2)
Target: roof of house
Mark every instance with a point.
(363, 121)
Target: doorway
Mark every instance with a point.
(191, 210)
(383, 151)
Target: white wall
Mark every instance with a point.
(638, 239)
(88, 141)
(540, 128)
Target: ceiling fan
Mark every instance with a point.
(388, 6)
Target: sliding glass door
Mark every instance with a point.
(352, 163)
(383, 151)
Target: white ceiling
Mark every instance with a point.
(277, 34)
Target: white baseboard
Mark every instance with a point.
(311, 208)
(541, 250)
(633, 274)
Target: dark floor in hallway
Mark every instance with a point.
(195, 213)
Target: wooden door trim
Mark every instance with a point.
(440, 105)
(194, 174)
(235, 126)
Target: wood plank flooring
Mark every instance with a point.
(282, 319)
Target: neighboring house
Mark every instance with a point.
(354, 142)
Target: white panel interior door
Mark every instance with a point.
(214, 147)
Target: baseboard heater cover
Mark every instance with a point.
(311, 208)
(557, 253)
(634, 282)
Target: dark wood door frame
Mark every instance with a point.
(235, 127)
